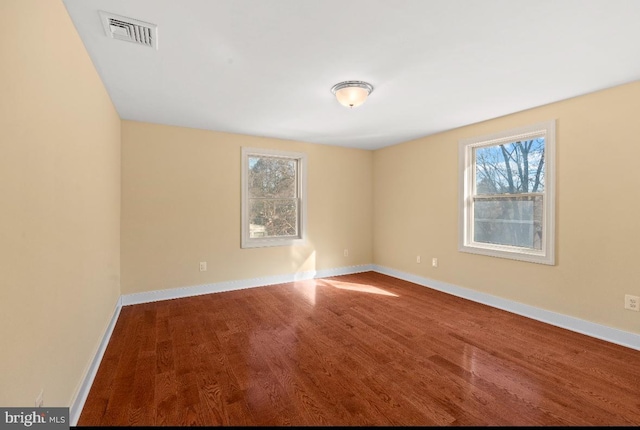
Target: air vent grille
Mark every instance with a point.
(130, 30)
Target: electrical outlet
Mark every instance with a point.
(203, 266)
(418, 259)
(434, 262)
(39, 399)
(632, 302)
(346, 252)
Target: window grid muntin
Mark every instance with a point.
(473, 196)
(468, 175)
(300, 196)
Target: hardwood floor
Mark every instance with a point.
(362, 349)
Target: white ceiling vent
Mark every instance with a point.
(129, 29)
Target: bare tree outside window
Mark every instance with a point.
(508, 199)
(507, 193)
(273, 197)
(274, 202)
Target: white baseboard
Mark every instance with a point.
(175, 293)
(81, 394)
(609, 334)
(598, 331)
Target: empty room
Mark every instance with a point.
(320, 213)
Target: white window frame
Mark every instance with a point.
(467, 177)
(301, 172)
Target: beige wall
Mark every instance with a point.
(60, 223)
(181, 205)
(598, 227)
(60, 205)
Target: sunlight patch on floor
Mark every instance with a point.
(307, 290)
(362, 288)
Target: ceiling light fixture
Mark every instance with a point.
(352, 93)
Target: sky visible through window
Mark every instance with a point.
(506, 176)
(516, 167)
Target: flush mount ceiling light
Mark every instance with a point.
(352, 93)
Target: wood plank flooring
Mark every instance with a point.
(362, 349)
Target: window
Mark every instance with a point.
(507, 199)
(273, 198)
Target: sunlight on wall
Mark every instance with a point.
(303, 261)
(306, 270)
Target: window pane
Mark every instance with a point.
(514, 221)
(271, 177)
(513, 168)
(273, 218)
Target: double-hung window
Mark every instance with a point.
(273, 197)
(507, 199)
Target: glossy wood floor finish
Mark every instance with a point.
(361, 349)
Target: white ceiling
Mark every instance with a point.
(266, 67)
